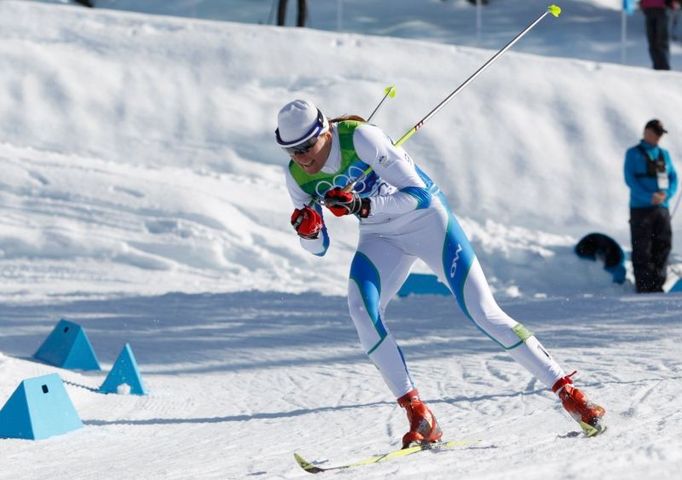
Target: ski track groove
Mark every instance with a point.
(639, 398)
(496, 372)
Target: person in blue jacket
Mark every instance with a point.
(651, 176)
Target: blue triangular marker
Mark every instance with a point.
(124, 371)
(39, 408)
(68, 347)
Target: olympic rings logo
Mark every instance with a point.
(341, 180)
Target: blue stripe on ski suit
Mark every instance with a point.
(422, 195)
(325, 242)
(458, 257)
(323, 232)
(366, 276)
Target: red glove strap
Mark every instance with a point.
(341, 203)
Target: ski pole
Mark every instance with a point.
(389, 92)
(552, 9)
(555, 10)
(677, 205)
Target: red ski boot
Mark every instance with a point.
(589, 415)
(423, 425)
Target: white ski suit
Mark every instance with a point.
(409, 219)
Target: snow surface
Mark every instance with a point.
(142, 196)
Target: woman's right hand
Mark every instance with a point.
(307, 222)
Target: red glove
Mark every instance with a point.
(346, 203)
(307, 222)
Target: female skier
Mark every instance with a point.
(403, 216)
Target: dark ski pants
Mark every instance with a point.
(657, 33)
(651, 243)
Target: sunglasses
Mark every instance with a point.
(302, 148)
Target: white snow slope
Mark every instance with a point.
(142, 196)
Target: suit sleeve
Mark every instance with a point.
(637, 192)
(395, 166)
(672, 176)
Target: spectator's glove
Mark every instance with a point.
(307, 222)
(346, 203)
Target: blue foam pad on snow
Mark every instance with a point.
(68, 347)
(677, 287)
(124, 371)
(39, 408)
(422, 284)
(618, 273)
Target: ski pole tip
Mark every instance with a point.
(390, 91)
(554, 10)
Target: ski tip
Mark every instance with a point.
(593, 430)
(390, 91)
(306, 465)
(554, 10)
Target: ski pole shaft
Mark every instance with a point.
(552, 9)
(388, 92)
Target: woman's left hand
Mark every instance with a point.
(343, 203)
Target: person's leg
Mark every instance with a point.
(663, 39)
(661, 244)
(282, 12)
(377, 272)
(454, 261)
(452, 258)
(641, 235)
(650, 24)
(659, 37)
(302, 13)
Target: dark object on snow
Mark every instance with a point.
(300, 18)
(86, 3)
(599, 246)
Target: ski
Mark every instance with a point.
(593, 430)
(433, 447)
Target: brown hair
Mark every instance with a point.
(347, 117)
